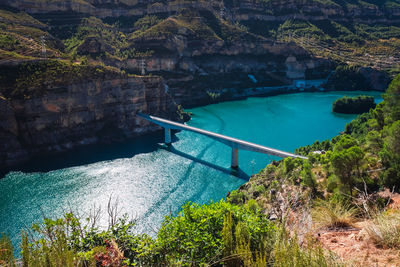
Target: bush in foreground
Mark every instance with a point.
(217, 234)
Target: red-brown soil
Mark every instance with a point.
(354, 247)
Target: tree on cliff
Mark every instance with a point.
(345, 162)
(392, 101)
(391, 156)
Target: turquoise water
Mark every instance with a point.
(150, 180)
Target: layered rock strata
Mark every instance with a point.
(80, 114)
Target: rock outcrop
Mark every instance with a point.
(80, 114)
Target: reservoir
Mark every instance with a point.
(150, 180)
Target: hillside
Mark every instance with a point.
(346, 194)
(357, 32)
(192, 44)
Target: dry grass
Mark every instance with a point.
(6, 252)
(288, 252)
(333, 215)
(384, 230)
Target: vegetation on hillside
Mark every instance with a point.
(22, 35)
(34, 78)
(69, 35)
(369, 148)
(347, 78)
(353, 43)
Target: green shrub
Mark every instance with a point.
(237, 197)
(259, 190)
(8, 42)
(344, 142)
(307, 176)
(346, 165)
(290, 164)
(374, 141)
(392, 101)
(390, 155)
(198, 233)
(359, 127)
(252, 205)
(316, 146)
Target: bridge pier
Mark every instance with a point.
(235, 158)
(167, 135)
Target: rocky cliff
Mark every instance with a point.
(197, 52)
(80, 114)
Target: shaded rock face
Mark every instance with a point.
(80, 114)
(11, 150)
(378, 80)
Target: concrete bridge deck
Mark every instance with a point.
(234, 143)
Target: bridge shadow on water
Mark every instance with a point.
(239, 173)
(106, 152)
(91, 154)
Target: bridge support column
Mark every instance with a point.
(167, 136)
(235, 158)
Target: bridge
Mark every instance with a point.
(234, 143)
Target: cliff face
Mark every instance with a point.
(197, 52)
(80, 114)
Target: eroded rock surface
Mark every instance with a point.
(80, 114)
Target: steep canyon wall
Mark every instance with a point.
(80, 114)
